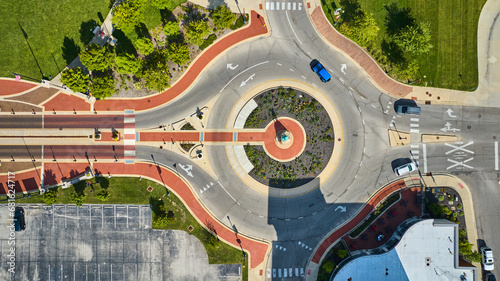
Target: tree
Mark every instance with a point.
(102, 87)
(342, 253)
(362, 29)
(50, 196)
(179, 53)
(77, 198)
(129, 14)
(75, 79)
(415, 39)
(160, 4)
(103, 195)
(144, 46)
(329, 266)
(156, 80)
(197, 31)
(127, 64)
(95, 57)
(223, 17)
(172, 28)
(473, 256)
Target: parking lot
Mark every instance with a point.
(103, 242)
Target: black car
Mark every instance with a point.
(19, 219)
(490, 277)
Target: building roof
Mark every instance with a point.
(428, 250)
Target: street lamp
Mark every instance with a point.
(418, 79)
(394, 124)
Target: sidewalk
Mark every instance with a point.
(488, 62)
(255, 28)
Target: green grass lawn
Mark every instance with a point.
(125, 190)
(452, 63)
(53, 32)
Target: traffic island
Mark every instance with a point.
(398, 138)
(436, 138)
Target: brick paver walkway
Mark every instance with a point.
(367, 209)
(358, 55)
(11, 86)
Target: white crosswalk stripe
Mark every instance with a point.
(283, 6)
(288, 272)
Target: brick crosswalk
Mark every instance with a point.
(129, 136)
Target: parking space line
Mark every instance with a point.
(102, 222)
(114, 209)
(496, 156)
(127, 216)
(424, 155)
(65, 215)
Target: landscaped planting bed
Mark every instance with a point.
(281, 102)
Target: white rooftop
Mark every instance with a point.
(428, 251)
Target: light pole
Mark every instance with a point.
(394, 124)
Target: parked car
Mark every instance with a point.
(490, 277)
(408, 110)
(19, 223)
(321, 71)
(405, 169)
(487, 258)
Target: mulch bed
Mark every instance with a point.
(319, 133)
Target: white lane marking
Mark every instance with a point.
(267, 5)
(289, 5)
(272, 6)
(279, 64)
(416, 157)
(279, 272)
(300, 6)
(461, 163)
(283, 6)
(413, 125)
(414, 119)
(264, 62)
(291, 70)
(294, 6)
(303, 77)
(277, 6)
(374, 106)
(290, 23)
(496, 156)
(414, 146)
(274, 272)
(414, 151)
(458, 148)
(414, 131)
(226, 191)
(424, 155)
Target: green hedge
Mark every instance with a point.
(210, 39)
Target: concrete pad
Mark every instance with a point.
(399, 138)
(439, 138)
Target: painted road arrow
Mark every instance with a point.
(449, 111)
(245, 82)
(342, 209)
(343, 68)
(230, 66)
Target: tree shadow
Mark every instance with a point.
(49, 178)
(69, 49)
(165, 15)
(103, 182)
(212, 4)
(86, 31)
(352, 10)
(398, 18)
(329, 9)
(393, 52)
(141, 30)
(80, 186)
(101, 18)
(155, 206)
(126, 45)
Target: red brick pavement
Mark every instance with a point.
(24, 181)
(10, 86)
(358, 55)
(65, 102)
(387, 223)
(255, 28)
(218, 136)
(367, 209)
(170, 136)
(54, 173)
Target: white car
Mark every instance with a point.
(405, 169)
(487, 258)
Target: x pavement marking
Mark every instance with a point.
(461, 163)
(459, 147)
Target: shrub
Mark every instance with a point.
(144, 46)
(445, 210)
(196, 31)
(342, 253)
(77, 198)
(329, 266)
(460, 207)
(223, 17)
(75, 79)
(172, 28)
(441, 198)
(129, 14)
(461, 213)
(239, 22)
(209, 238)
(210, 39)
(50, 196)
(433, 209)
(455, 214)
(103, 195)
(95, 57)
(127, 64)
(102, 87)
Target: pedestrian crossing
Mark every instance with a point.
(283, 6)
(129, 136)
(288, 272)
(414, 125)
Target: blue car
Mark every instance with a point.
(321, 71)
(19, 223)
